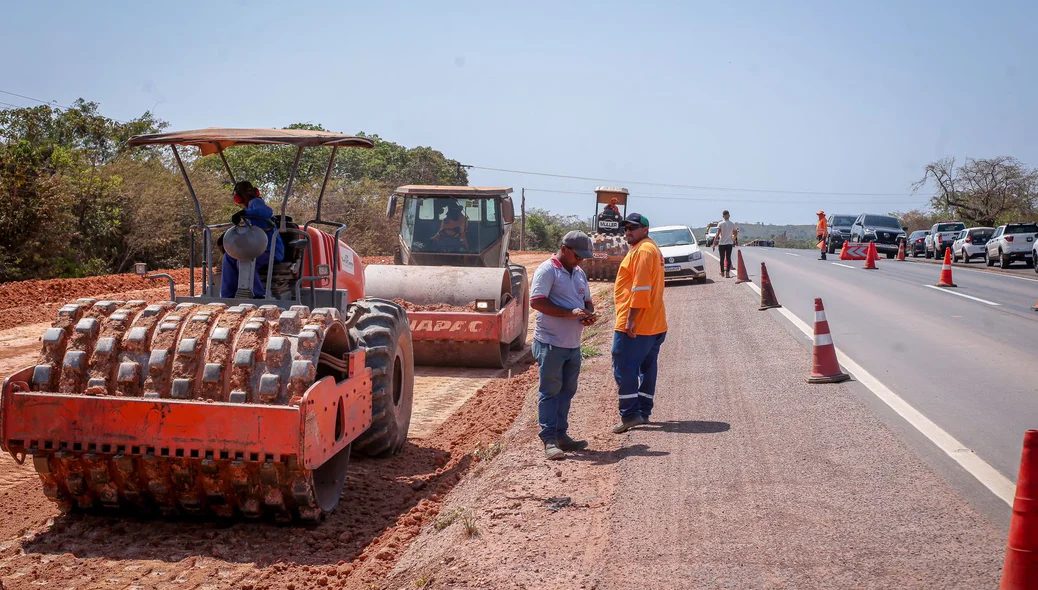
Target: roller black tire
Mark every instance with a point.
(520, 291)
(383, 330)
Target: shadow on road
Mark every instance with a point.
(610, 457)
(687, 426)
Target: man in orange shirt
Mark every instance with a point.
(641, 324)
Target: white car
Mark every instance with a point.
(682, 258)
(970, 242)
(1011, 242)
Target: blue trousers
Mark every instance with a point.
(635, 368)
(229, 276)
(559, 369)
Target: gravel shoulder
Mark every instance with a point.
(748, 478)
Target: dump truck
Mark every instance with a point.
(608, 243)
(221, 406)
(469, 304)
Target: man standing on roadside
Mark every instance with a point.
(725, 238)
(641, 324)
(822, 232)
(561, 294)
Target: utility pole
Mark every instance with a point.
(522, 209)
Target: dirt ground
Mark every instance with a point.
(458, 413)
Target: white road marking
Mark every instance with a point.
(983, 272)
(791, 254)
(987, 475)
(843, 265)
(950, 292)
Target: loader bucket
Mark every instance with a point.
(191, 409)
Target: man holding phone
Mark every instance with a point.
(562, 296)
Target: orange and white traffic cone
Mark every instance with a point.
(844, 255)
(946, 273)
(741, 276)
(767, 292)
(901, 251)
(825, 369)
(870, 257)
(1020, 568)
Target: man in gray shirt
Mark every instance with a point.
(562, 296)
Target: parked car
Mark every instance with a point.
(710, 234)
(884, 230)
(1012, 242)
(682, 259)
(1034, 256)
(839, 231)
(916, 244)
(941, 237)
(970, 243)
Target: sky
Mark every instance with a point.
(772, 110)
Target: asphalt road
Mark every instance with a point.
(963, 357)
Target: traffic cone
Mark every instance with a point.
(825, 369)
(767, 293)
(843, 252)
(1020, 568)
(870, 257)
(946, 275)
(741, 276)
(901, 251)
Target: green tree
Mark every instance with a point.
(985, 191)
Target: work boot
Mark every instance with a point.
(627, 424)
(552, 451)
(566, 443)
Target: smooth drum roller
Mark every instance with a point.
(456, 286)
(431, 285)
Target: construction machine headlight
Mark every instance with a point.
(484, 305)
(697, 255)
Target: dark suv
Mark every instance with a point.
(884, 230)
(839, 231)
(916, 244)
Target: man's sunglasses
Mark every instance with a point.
(628, 228)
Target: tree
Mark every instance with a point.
(916, 219)
(544, 229)
(984, 191)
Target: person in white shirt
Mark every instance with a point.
(725, 238)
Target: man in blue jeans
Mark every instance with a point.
(641, 324)
(257, 213)
(562, 296)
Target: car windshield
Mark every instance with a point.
(1022, 228)
(943, 227)
(673, 237)
(843, 220)
(918, 234)
(982, 233)
(882, 221)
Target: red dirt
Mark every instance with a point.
(385, 504)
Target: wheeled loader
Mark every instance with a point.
(453, 253)
(213, 406)
(607, 240)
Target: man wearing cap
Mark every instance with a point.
(822, 233)
(562, 296)
(641, 324)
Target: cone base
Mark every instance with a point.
(946, 285)
(737, 281)
(870, 268)
(763, 307)
(838, 378)
(1034, 308)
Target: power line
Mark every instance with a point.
(691, 186)
(48, 103)
(714, 199)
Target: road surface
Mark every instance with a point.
(963, 357)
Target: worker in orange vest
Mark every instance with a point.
(822, 232)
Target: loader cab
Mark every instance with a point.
(452, 225)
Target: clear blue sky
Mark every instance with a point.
(829, 96)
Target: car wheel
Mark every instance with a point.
(1003, 260)
(955, 257)
(988, 260)
(890, 255)
(965, 257)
